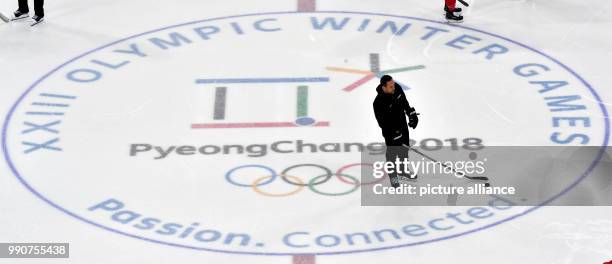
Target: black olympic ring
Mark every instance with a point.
(328, 174)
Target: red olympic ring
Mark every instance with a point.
(353, 165)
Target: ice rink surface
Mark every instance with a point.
(156, 131)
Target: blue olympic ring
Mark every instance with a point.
(273, 175)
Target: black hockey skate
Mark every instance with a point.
(452, 18)
(37, 19)
(17, 15)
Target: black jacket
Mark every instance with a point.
(391, 111)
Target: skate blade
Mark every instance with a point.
(19, 18)
(408, 179)
(36, 23)
(454, 21)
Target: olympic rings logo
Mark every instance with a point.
(270, 175)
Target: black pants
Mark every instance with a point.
(38, 7)
(397, 147)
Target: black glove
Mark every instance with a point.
(414, 118)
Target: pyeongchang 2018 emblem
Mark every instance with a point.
(242, 134)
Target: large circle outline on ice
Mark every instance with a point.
(55, 205)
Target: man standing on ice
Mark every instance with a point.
(391, 108)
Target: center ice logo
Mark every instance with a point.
(149, 127)
(302, 104)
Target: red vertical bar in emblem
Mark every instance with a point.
(304, 259)
(306, 5)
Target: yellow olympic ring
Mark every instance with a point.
(256, 188)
